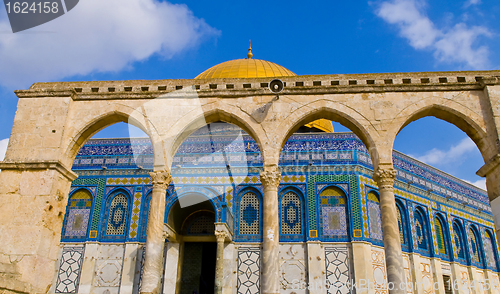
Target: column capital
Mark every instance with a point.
(220, 236)
(270, 177)
(161, 179)
(385, 177)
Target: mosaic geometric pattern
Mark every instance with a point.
(379, 270)
(488, 250)
(333, 212)
(312, 197)
(440, 236)
(249, 214)
(337, 270)
(421, 231)
(203, 225)
(374, 217)
(291, 214)
(334, 221)
(118, 214)
(248, 270)
(79, 206)
(459, 242)
(70, 267)
(400, 226)
(100, 183)
(475, 247)
(136, 210)
(77, 223)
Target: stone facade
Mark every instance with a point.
(54, 120)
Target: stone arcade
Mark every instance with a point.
(229, 194)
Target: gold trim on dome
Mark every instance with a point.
(245, 68)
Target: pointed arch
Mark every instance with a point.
(116, 217)
(374, 217)
(291, 214)
(458, 236)
(78, 215)
(476, 251)
(421, 230)
(441, 234)
(490, 250)
(402, 224)
(249, 214)
(334, 214)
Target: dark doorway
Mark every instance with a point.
(198, 268)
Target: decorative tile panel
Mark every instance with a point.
(68, 276)
(338, 276)
(427, 280)
(291, 214)
(248, 270)
(249, 214)
(379, 270)
(136, 212)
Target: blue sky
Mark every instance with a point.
(149, 39)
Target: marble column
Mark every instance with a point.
(155, 240)
(392, 244)
(219, 263)
(270, 282)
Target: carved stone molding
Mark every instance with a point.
(270, 177)
(161, 179)
(385, 177)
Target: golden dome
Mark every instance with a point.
(246, 68)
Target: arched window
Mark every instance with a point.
(78, 215)
(476, 247)
(441, 241)
(459, 241)
(117, 216)
(249, 214)
(334, 213)
(291, 214)
(401, 225)
(144, 216)
(421, 230)
(374, 216)
(489, 250)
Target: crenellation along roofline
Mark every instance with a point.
(241, 87)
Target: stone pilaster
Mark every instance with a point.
(155, 240)
(392, 244)
(270, 179)
(219, 263)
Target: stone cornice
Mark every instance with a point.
(298, 85)
(34, 165)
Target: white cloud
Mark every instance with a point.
(437, 157)
(456, 44)
(97, 36)
(480, 184)
(471, 2)
(3, 148)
